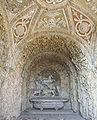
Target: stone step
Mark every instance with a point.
(33, 114)
(62, 111)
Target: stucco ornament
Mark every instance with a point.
(52, 19)
(20, 29)
(22, 25)
(84, 27)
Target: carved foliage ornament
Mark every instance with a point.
(84, 27)
(52, 19)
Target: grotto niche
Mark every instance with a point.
(53, 69)
(48, 52)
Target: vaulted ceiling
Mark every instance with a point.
(39, 34)
(28, 19)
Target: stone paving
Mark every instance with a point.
(32, 114)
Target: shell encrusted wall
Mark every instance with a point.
(58, 35)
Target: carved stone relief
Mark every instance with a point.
(84, 27)
(52, 19)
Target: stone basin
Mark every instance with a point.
(48, 103)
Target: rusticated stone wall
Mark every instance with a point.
(79, 79)
(62, 33)
(4, 48)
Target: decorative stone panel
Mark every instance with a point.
(83, 25)
(22, 25)
(51, 19)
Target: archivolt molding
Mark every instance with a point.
(54, 43)
(64, 35)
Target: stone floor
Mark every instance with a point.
(32, 114)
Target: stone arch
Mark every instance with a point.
(62, 62)
(78, 60)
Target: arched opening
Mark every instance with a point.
(64, 55)
(49, 62)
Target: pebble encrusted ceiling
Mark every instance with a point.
(31, 16)
(26, 18)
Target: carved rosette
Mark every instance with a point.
(84, 27)
(22, 25)
(20, 29)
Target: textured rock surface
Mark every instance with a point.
(48, 37)
(3, 42)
